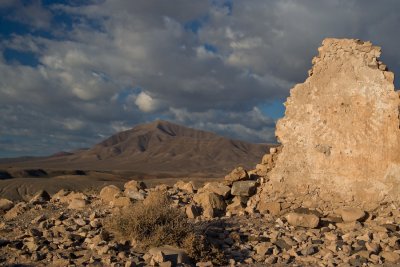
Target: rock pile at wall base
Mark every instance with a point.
(340, 134)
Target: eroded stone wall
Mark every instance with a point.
(340, 133)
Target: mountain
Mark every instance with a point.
(160, 147)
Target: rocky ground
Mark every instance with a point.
(67, 228)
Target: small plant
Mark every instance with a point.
(151, 223)
(199, 249)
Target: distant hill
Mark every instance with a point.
(159, 147)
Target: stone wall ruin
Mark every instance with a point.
(340, 134)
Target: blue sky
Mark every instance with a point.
(75, 72)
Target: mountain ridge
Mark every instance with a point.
(159, 147)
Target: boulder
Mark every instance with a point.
(5, 204)
(109, 193)
(183, 186)
(217, 188)
(243, 188)
(133, 184)
(351, 214)
(236, 206)
(303, 220)
(212, 204)
(273, 208)
(192, 211)
(159, 255)
(238, 174)
(135, 194)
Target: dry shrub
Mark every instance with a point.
(151, 223)
(199, 249)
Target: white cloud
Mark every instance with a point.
(146, 103)
(72, 124)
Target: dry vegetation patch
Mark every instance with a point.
(151, 223)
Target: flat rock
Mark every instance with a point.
(351, 214)
(168, 253)
(303, 220)
(390, 256)
(273, 208)
(238, 174)
(243, 188)
(217, 188)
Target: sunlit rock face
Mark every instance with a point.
(340, 133)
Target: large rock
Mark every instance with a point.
(135, 185)
(302, 219)
(217, 188)
(238, 174)
(243, 188)
(5, 204)
(351, 214)
(340, 133)
(212, 204)
(109, 193)
(185, 186)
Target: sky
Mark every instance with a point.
(75, 72)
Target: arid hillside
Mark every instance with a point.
(160, 147)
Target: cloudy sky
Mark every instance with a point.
(74, 72)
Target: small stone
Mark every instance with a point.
(40, 197)
(390, 256)
(373, 247)
(38, 219)
(204, 264)
(169, 253)
(273, 208)
(351, 214)
(77, 204)
(331, 236)
(303, 220)
(80, 222)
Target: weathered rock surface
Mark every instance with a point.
(340, 132)
(351, 214)
(5, 204)
(303, 220)
(243, 188)
(238, 174)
